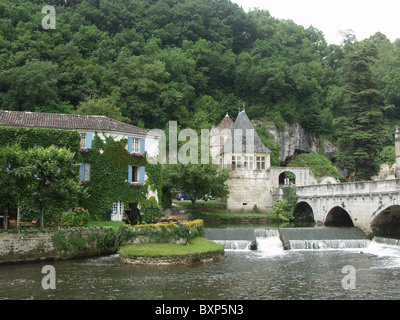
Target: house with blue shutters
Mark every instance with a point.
(139, 141)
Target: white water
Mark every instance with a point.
(235, 245)
(327, 244)
(269, 244)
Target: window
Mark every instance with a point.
(83, 140)
(135, 174)
(260, 162)
(248, 163)
(136, 145)
(236, 162)
(87, 171)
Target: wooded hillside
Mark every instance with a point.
(150, 61)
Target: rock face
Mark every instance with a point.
(294, 139)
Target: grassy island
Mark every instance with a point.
(196, 250)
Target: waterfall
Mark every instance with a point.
(269, 242)
(275, 241)
(242, 239)
(235, 245)
(338, 244)
(384, 247)
(323, 238)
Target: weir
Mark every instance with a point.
(279, 239)
(322, 238)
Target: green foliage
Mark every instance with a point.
(283, 210)
(198, 180)
(161, 233)
(78, 216)
(109, 161)
(42, 178)
(270, 144)
(107, 241)
(360, 138)
(28, 138)
(387, 155)
(319, 165)
(193, 61)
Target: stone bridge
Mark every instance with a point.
(373, 206)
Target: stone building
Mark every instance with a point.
(138, 141)
(254, 184)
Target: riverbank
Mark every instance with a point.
(180, 241)
(32, 245)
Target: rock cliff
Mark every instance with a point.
(294, 139)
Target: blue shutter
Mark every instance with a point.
(130, 140)
(82, 171)
(89, 137)
(141, 176)
(142, 145)
(129, 174)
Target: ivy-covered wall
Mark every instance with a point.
(109, 162)
(40, 137)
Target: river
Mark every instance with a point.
(269, 273)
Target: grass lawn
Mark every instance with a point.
(196, 245)
(114, 224)
(212, 203)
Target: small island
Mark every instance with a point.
(196, 250)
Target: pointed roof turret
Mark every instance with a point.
(226, 123)
(243, 123)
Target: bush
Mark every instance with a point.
(78, 216)
(282, 211)
(163, 232)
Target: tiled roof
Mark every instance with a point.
(226, 123)
(66, 121)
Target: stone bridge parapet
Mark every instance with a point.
(362, 201)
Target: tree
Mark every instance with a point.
(54, 179)
(14, 176)
(361, 129)
(101, 106)
(198, 180)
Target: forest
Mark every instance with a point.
(147, 62)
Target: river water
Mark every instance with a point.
(264, 274)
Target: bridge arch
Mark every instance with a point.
(303, 211)
(338, 217)
(387, 222)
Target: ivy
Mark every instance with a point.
(109, 161)
(28, 138)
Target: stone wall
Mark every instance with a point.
(174, 260)
(39, 246)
